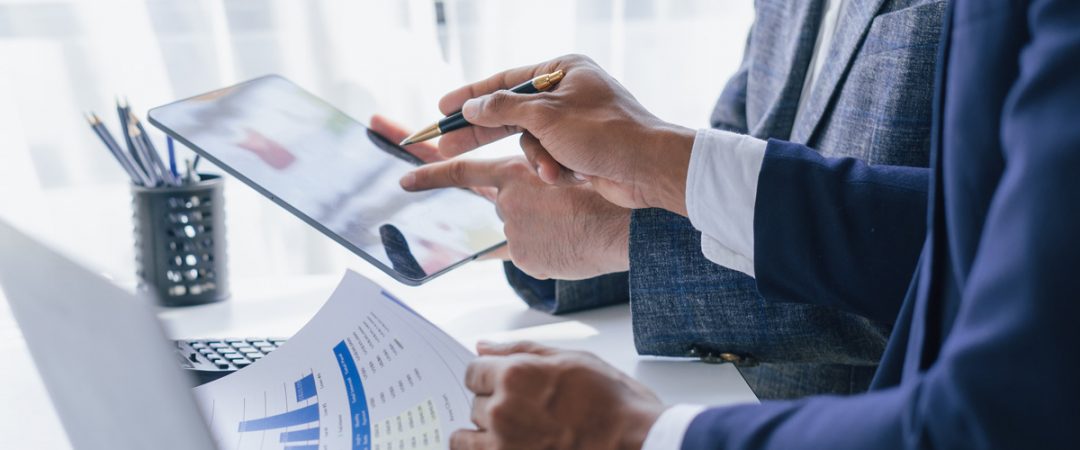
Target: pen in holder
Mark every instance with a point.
(180, 241)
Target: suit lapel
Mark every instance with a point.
(850, 31)
(783, 94)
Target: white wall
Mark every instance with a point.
(60, 58)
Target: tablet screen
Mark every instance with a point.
(334, 173)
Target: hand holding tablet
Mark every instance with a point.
(335, 174)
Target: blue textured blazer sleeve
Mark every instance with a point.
(1019, 299)
(836, 231)
(683, 302)
(564, 296)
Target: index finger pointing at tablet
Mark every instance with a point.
(454, 173)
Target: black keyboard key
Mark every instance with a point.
(221, 357)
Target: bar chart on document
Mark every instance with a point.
(362, 374)
(291, 419)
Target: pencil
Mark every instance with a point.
(148, 148)
(114, 148)
(122, 111)
(137, 142)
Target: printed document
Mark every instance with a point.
(366, 372)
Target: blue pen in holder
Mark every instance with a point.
(180, 242)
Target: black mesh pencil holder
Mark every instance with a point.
(180, 242)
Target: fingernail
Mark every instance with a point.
(471, 108)
(408, 180)
(579, 177)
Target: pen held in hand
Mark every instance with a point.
(457, 120)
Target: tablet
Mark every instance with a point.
(335, 174)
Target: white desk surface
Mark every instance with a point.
(470, 303)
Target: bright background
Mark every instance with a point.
(60, 58)
(397, 57)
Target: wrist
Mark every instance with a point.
(640, 421)
(617, 245)
(663, 185)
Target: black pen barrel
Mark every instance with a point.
(453, 122)
(525, 88)
(456, 121)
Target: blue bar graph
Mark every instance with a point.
(310, 434)
(305, 388)
(307, 414)
(354, 390)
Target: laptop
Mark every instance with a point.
(105, 399)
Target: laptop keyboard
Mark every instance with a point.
(211, 359)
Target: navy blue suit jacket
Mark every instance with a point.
(983, 353)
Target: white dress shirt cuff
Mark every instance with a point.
(721, 190)
(668, 431)
(718, 253)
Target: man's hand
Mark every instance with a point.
(394, 132)
(569, 233)
(425, 151)
(588, 128)
(428, 153)
(529, 396)
(564, 232)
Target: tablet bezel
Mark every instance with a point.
(381, 142)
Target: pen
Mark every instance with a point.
(457, 120)
(192, 176)
(172, 157)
